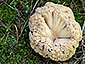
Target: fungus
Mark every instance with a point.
(54, 33)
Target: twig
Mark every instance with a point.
(9, 6)
(5, 27)
(6, 34)
(77, 61)
(2, 38)
(23, 28)
(21, 2)
(3, 24)
(83, 27)
(19, 14)
(17, 33)
(31, 3)
(74, 3)
(34, 6)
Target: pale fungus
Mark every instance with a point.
(54, 33)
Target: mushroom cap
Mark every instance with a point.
(54, 33)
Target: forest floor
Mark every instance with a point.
(14, 31)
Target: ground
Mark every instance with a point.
(14, 31)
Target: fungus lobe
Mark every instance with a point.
(54, 33)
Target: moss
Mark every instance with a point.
(12, 52)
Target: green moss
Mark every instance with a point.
(21, 52)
